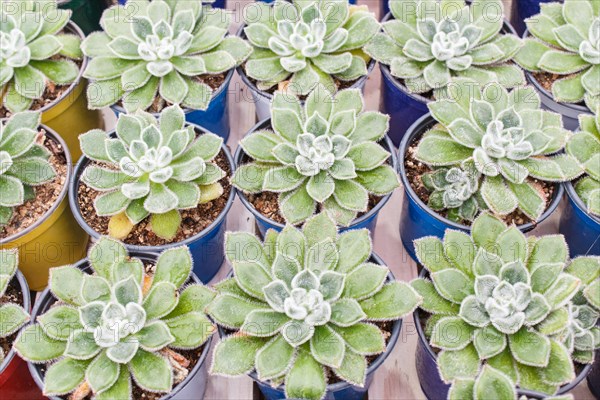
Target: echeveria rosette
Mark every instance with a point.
(509, 139)
(23, 162)
(429, 44)
(301, 301)
(566, 42)
(12, 316)
(498, 299)
(120, 323)
(308, 42)
(152, 168)
(585, 147)
(160, 47)
(323, 152)
(31, 38)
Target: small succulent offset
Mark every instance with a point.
(30, 40)
(124, 321)
(159, 46)
(324, 153)
(510, 140)
(566, 42)
(12, 316)
(429, 44)
(585, 147)
(23, 161)
(311, 41)
(514, 304)
(302, 301)
(151, 168)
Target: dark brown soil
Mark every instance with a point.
(46, 195)
(193, 220)
(547, 79)
(12, 295)
(415, 170)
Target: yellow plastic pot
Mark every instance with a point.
(54, 240)
(69, 115)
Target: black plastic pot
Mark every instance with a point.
(593, 378)
(192, 387)
(581, 229)
(417, 219)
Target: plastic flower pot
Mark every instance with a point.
(581, 229)
(217, 3)
(192, 387)
(86, 14)
(207, 247)
(53, 240)
(403, 107)
(367, 220)
(69, 115)
(15, 379)
(569, 111)
(214, 119)
(418, 220)
(594, 377)
(340, 390)
(523, 9)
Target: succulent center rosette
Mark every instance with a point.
(13, 49)
(318, 154)
(450, 43)
(299, 41)
(500, 141)
(161, 46)
(589, 49)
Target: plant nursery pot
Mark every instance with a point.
(15, 380)
(418, 220)
(523, 9)
(69, 115)
(214, 119)
(581, 229)
(192, 387)
(55, 239)
(340, 390)
(570, 112)
(86, 14)
(207, 247)
(217, 3)
(403, 107)
(593, 378)
(368, 220)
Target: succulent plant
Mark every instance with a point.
(23, 161)
(501, 300)
(566, 42)
(324, 152)
(302, 301)
(585, 147)
(152, 168)
(12, 316)
(429, 44)
(159, 46)
(509, 139)
(307, 42)
(31, 39)
(124, 321)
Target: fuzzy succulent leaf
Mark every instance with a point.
(12, 316)
(440, 42)
(121, 325)
(566, 41)
(311, 308)
(157, 50)
(319, 153)
(160, 165)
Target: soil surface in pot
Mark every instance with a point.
(193, 221)
(12, 295)
(547, 79)
(45, 196)
(415, 170)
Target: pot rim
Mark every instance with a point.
(84, 265)
(239, 153)
(574, 197)
(396, 328)
(27, 306)
(418, 128)
(75, 209)
(51, 134)
(520, 392)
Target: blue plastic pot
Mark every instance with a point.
(192, 387)
(207, 247)
(214, 119)
(581, 229)
(417, 219)
(523, 9)
(341, 390)
(368, 220)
